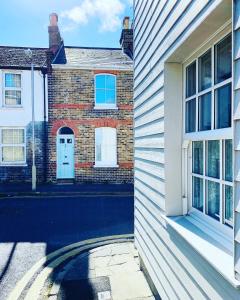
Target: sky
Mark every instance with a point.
(95, 23)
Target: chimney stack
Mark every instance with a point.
(126, 23)
(55, 39)
(126, 40)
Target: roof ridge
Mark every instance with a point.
(24, 47)
(95, 48)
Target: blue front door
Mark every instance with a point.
(65, 156)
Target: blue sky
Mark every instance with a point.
(81, 22)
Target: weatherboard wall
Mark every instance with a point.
(161, 27)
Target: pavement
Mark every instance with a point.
(98, 269)
(25, 189)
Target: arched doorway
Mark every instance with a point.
(65, 153)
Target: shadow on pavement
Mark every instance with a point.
(36, 226)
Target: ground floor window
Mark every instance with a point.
(212, 176)
(105, 146)
(13, 145)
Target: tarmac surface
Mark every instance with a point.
(33, 226)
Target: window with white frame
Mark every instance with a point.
(13, 146)
(12, 89)
(105, 90)
(106, 147)
(208, 121)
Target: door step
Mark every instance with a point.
(65, 181)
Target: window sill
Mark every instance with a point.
(218, 255)
(105, 166)
(12, 107)
(103, 107)
(13, 165)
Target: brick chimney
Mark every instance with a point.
(55, 39)
(126, 40)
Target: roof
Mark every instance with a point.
(16, 57)
(89, 57)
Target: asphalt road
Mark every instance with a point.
(32, 227)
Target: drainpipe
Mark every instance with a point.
(44, 71)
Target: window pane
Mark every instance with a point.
(13, 97)
(198, 158)
(12, 80)
(191, 80)
(204, 68)
(228, 161)
(98, 143)
(223, 59)
(228, 203)
(197, 193)
(100, 96)
(12, 154)
(213, 159)
(110, 82)
(100, 81)
(223, 106)
(205, 112)
(190, 115)
(12, 136)
(98, 153)
(110, 96)
(213, 199)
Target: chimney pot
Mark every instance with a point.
(126, 23)
(53, 19)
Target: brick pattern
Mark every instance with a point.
(71, 104)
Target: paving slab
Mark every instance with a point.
(110, 272)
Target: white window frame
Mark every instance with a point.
(213, 134)
(106, 105)
(22, 163)
(11, 89)
(106, 164)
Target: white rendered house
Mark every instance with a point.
(16, 113)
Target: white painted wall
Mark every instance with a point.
(22, 116)
(168, 31)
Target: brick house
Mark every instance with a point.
(16, 113)
(90, 135)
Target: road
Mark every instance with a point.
(32, 227)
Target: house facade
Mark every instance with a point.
(16, 114)
(186, 124)
(90, 132)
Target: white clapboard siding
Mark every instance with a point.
(236, 124)
(150, 155)
(151, 103)
(157, 36)
(159, 13)
(155, 114)
(176, 269)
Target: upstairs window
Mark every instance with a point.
(13, 146)
(12, 89)
(105, 147)
(105, 91)
(208, 103)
